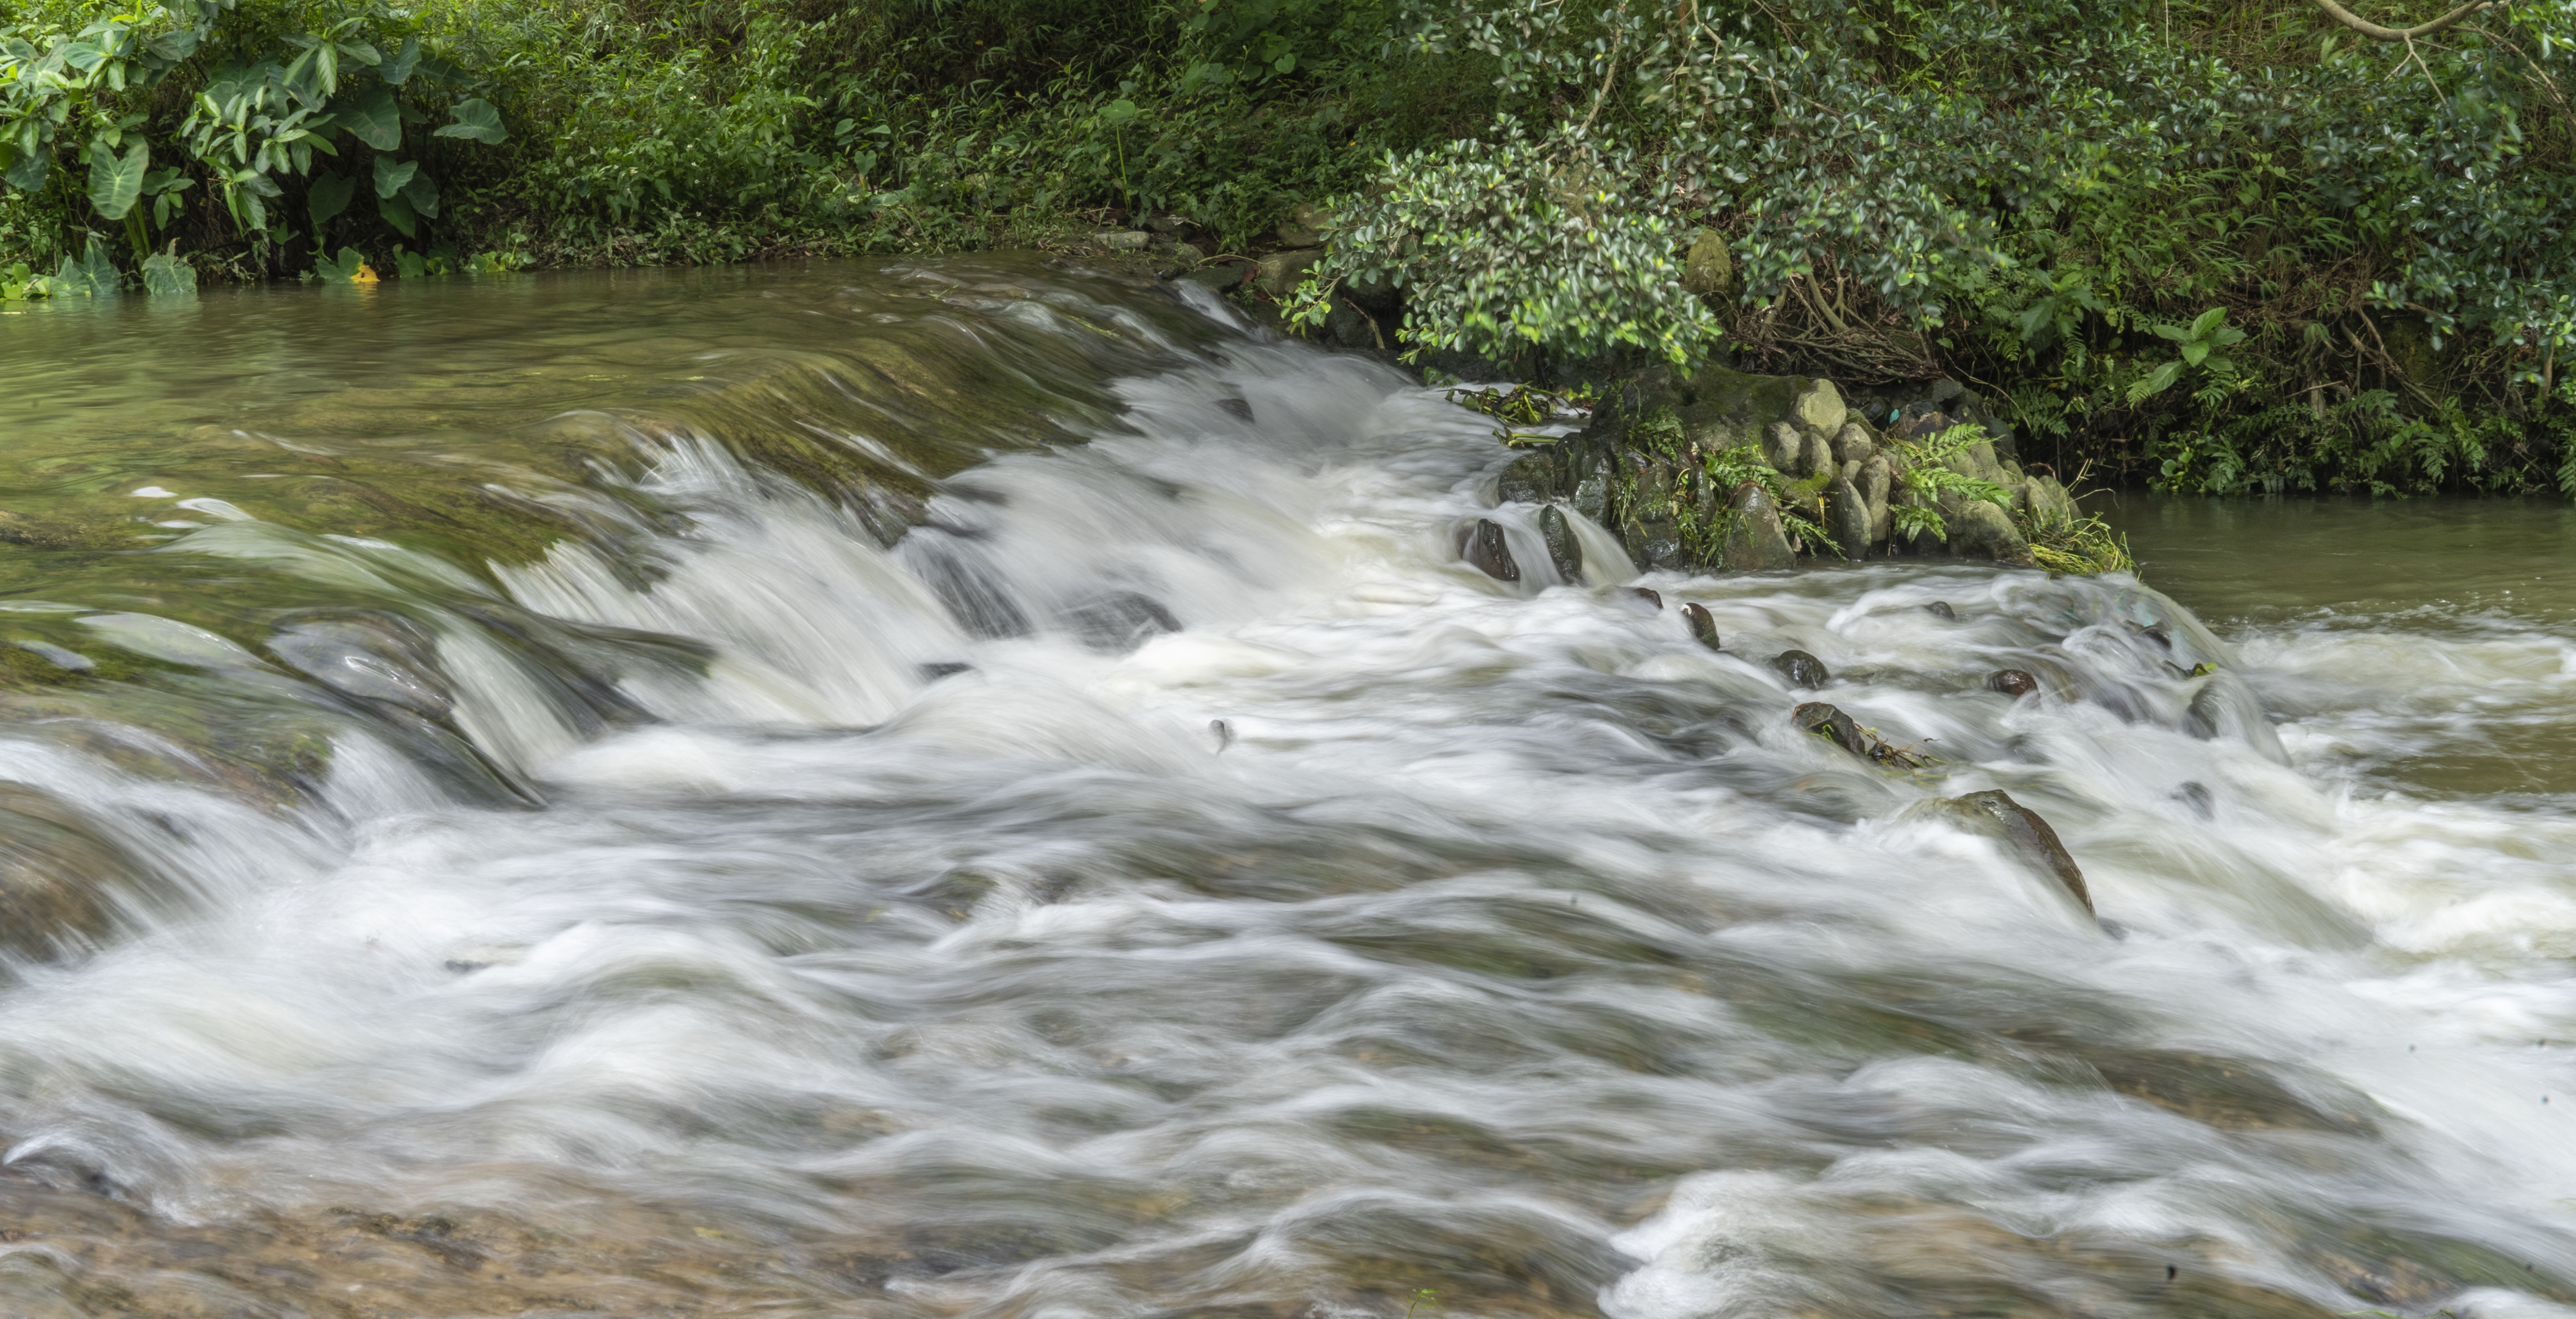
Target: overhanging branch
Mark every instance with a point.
(2377, 33)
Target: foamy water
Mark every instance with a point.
(941, 930)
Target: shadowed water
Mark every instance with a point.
(985, 789)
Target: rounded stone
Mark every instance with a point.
(1801, 668)
(2012, 682)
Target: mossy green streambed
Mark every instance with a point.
(996, 788)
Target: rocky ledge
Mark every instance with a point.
(1720, 469)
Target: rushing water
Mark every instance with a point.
(498, 815)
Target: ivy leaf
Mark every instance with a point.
(392, 176)
(116, 183)
(374, 119)
(475, 118)
(329, 196)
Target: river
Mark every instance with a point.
(982, 789)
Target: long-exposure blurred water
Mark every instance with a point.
(985, 789)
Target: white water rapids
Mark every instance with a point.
(1384, 927)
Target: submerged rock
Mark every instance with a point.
(2011, 682)
(1653, 598)
(1563, 550)
(1119, 620)
(1942, 609)
(1484, 547)
(1703, 626)
(1801, 669)
(2023, 834)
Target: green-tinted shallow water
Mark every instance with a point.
(985, 791)
(2494, 577)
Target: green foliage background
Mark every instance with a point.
(2213, 245)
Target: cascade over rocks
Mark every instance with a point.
(1662, 463)
(2023, 834)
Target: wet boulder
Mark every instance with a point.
(1847, 519)
(1119, 621)
(1877, 477)
(1483, 546)
(1981, 530)
(1801, 669)
(62, 885)
(1755, 539)
(1279, 273)
(1830, 723)
(1703, 625)
(1941, 609)
(2011, 682)
(2021, 833)
(1653, 599)
(1563, 550)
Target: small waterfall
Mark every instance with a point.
(986, 789)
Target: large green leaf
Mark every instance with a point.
(398, 66)
(329, 196)
(391, 175)
(422, 193)
(374, 118)
(116, 182)
(475, 118)
(27, 172)
(166, 276)
(398, 213)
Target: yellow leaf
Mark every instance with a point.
(366, 274)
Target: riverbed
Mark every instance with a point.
(986, 788)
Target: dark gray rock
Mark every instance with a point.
(2195, 796)
(1119, 620)
(1783, 447)
(1702, 625)
(1980, 530)
(1852, 444)
(2024, 835)
(1942, 609)
(1483, 546)
(1653, 598)
(1563, 550)
(1754, 538)
(1834, 726)
(2011, 682)
(1801, 669)
(1847, 518)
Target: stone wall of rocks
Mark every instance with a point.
(1641, 469)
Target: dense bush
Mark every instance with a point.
(2192, 242)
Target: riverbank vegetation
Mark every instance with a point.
(2210, 245)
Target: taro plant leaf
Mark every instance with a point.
(329, 196)
(475, 118)
(166, 276)
(27, 172)
(374, 118)
(391, 176)
(398, 213)
(116, 182)
(422, 193)
(398, 66)
(410, 265)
